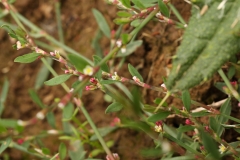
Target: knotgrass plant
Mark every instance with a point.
(205, 140)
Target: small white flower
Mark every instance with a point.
(158, 128)
(115, 77)
(40, 115)
(52, 131)
(88, 70)
(222, 149)
(61, 105)
(119, 43)
(80, 78)
(166, 146)
(123, 49)
(21, 123)
(19, 45)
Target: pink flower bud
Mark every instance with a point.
(20, 141)
(158, 123)
(116, 121)
(93, 81)
(207, 128)
(188, 122)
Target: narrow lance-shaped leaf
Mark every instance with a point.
(186, 98)
(124, 14)
(225, 109)
(114, 107)
(62, 151)
(3, 96)
(163, 8)
(35, 98)
(138, 4)
(159, 116)
(27, 58)
(126, 3)
(102, 23)
(58, 80)
(208, 42)
(5, 144)
(134, 72)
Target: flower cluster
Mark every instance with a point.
(94, 85)
(158, 126)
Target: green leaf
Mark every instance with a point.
(77, 151)
(122, 20)
(213, 124)
(102, 23)
(124, 14)
(208, 42)
(3, 96)
(27, 58)
(138, 4)
(114, 107)
(46, 151)
(126, 3)
(135, 23)
(210, 145)
(78, 62)
(8, 123)
(159, 116)
(185, 128)
(163, 8)
(35, 98)
(186, 98)
(124, 37)
(9, 30)
(58, 80)
(225, 109)
(159, 100)
(200, 114)
(130, 48)
(134, 72)
(97, 60)
(43, 74)
(51, 119)
(68, 112)
(62, 151)
(5, 144)
(108, 81)
(231, 72)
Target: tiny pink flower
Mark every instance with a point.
(207, 128)
(20, 141)
(93, 81)
(159, 126)
(116, 121)
(66, 71)
(188, 122)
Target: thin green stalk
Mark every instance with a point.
(175, 11)
(144, 22)
(104, 145)
(59, 23)
(164, 99)
(188, 148)
(230, 87)
(65, 87)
